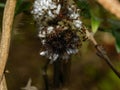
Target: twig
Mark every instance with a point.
(6, 34)
(101, 52)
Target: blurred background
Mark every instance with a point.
(88, 71)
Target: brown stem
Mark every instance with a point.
(6, 34)
(101, 52)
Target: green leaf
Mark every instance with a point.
(96, 19)
(2, 5)
(95, 23)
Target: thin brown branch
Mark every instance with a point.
(111, 5)
(101, 52)
(6, 34)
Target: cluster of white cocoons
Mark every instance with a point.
(47, 10)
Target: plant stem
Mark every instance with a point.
(57, 73)
(45, 76)
(101, 52)
(61, 72)
(6, 34)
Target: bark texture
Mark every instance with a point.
(5, 38)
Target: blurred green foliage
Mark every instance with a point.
(95, 23)
(84, 6)
(2, 5)
(116, 34)
(22, 6)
